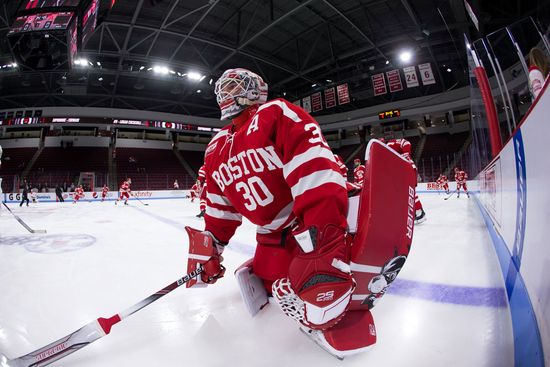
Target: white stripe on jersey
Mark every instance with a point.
(220, 134)
(218, 199)
(199, 257)
(317, 179)
(310, 154)
(283, 106)
(279, 220)
(223, 214)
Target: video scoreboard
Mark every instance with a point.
(47, 34)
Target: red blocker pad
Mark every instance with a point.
(201, 249)
(385, 224)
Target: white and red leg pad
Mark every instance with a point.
(353, 334)
(252, 288)
(385, 223)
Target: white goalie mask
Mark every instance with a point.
(237, 89)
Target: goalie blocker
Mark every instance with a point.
(381, 224)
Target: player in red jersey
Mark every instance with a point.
(358, 172)
(195, 191)
(124, 191)
(201, 180)
(352, 187)
(176, 185)
(403, 147)
(104, 192)
(78, 194)
(272, 165)
(460, 178)
(443, 182)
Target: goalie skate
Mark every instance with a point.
(384, 224)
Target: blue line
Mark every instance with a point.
(527, 342)
(521, 211)
(443, 293)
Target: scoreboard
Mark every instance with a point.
(47, 34)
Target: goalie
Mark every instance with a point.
(272, 165)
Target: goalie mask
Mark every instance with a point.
(237, 89)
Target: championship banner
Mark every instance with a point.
(426, 73)
(343, 94)
(330, 98)
(316, 102)
(306, 104)
(379, 84)
(410, 76)
(394, 80)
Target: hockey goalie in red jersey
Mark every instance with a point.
(461, 177)
(272, 165)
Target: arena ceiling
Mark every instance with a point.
(298, 46)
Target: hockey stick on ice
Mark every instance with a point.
(23, 223)
(145, 204)
(89, 333)
(449, 196)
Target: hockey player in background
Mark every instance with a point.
(443, 182)
(104, 192)
(78, 194)
(460, 178)
(403, 147)
(272, 165)
(358, 172)
(176, 185)
(202, 191)
(194, 192)
(353, 188)
(124, 191)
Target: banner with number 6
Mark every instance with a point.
(426, 73)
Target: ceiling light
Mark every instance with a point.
(449, 70)
(98, 63)
(100, 79)
(405, 56)
(211, 80)
(160, 69)
(199, 91)
(387, 62)
(81, 62)
(193, 75)
(329, 81)
(141, 68)
(313, 85)
(14, 65)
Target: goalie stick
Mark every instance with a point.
(89, 333)
(23, 223)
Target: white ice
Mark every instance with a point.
(97, 259)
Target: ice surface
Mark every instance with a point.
(447, 308)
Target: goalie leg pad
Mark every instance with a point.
(251, 287)
(353, 334)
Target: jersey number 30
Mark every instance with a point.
(255, 192)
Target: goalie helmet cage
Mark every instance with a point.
(87, 180)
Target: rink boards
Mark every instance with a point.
(515, 202)
(49, 197)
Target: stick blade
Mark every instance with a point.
(39, 231)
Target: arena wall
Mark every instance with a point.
(515, 202)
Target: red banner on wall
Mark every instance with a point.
(316, 102)
(379, 84)
(394, 80)
(330, 98)
(343, 94)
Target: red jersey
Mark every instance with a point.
(79, 191)
(401, 146)
(195, 188)
(442, 180)
(125, 187)
(461, 176)
(275, 168)
(202, 175)
(105, 189)
(358, 174)
(343, 168)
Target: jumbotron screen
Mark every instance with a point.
(39, 4)
(41, 22)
